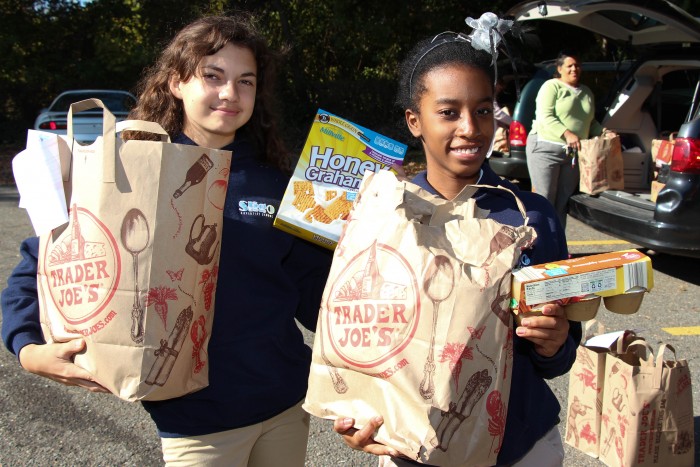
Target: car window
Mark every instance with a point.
(116, 102)
(630, 20)
(670, 102)
(601, 82)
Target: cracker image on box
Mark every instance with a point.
(321, 191)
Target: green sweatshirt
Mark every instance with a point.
(561, 107)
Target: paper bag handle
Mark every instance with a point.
(145, 126)
(671, 135)
(661, 363)
(647, 361)
(469, 191)
(108, 134)
(660, 357)
(622, 349)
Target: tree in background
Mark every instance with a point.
(342, 54)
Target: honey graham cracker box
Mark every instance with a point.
(619, 279)
(327, 177)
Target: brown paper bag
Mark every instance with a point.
(662, 156)
(586, 395)
(647, 409)
(586, 387)
(662, 150)
(601, 164)
(415, 323)
(134, 270)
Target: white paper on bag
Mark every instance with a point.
(604, 341)
(37, 172)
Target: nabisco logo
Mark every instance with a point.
(373, 316)
(82, 268)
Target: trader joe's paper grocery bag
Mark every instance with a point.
(323, 186)
(586, 395)
(601, 165)
(415, 325)
(647, 417)
(134, 270)
(587, 384)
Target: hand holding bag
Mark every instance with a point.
(134, 271)
(415, 323)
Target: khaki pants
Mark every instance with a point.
(279, 441)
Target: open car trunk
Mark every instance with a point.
(652, 100)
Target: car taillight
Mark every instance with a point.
(517, 134)
(686, 155)
(53, 125)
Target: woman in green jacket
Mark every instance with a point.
(564, 116)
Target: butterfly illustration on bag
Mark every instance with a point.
(175, 275)
(476, 333)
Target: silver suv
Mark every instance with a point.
(657, 95)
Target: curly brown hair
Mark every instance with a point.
(181, 57)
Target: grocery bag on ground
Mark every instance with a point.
(586, 395)
(134, 270)
(587, 384)
(647, 417)
(601, 165)
(415, 323)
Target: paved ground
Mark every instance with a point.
(44, 423)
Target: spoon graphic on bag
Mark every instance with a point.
(135, 236)
(438, 284)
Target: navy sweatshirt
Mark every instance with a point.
(259, 364)
(533, 409)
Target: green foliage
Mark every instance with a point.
(341, 55)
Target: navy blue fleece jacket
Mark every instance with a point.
(533, 409)
(259, 364)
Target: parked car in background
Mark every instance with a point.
(599, 76)
(87, 125)
(657, 95)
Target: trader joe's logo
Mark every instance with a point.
(373, 307)
(82, 267)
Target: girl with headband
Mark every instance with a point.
(446, 92)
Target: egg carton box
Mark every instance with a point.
(618, 278)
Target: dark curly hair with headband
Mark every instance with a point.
(435, 52)
(181, 57)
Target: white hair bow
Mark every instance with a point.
(488, 32)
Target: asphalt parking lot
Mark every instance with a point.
(46, 424)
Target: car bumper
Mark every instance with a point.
(512, 167)
(635, 224)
